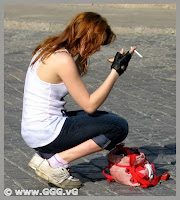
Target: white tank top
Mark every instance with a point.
(42, 119)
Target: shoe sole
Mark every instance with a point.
(32, 165)
(45, 177)
(33, 162)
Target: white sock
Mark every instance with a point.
(56, 161)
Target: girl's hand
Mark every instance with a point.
(121, 60)
(122, 52)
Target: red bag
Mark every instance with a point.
(129, 166)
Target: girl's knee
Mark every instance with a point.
(121, 127)
(119, 134)
(126, 127)
(123, 131)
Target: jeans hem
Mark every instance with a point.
(106, 144)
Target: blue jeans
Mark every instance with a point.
(104, 128)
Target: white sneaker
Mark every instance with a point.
(58, 176)
(35, 161)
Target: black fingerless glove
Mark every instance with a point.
(120, 62)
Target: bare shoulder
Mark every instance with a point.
(61, 58)
(63, 64)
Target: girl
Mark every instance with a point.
(57, 135)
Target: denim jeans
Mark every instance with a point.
(104, 128)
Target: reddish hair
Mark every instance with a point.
(89, 26)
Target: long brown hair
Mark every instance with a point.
(89, 26)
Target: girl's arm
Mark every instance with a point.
(66, 69)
